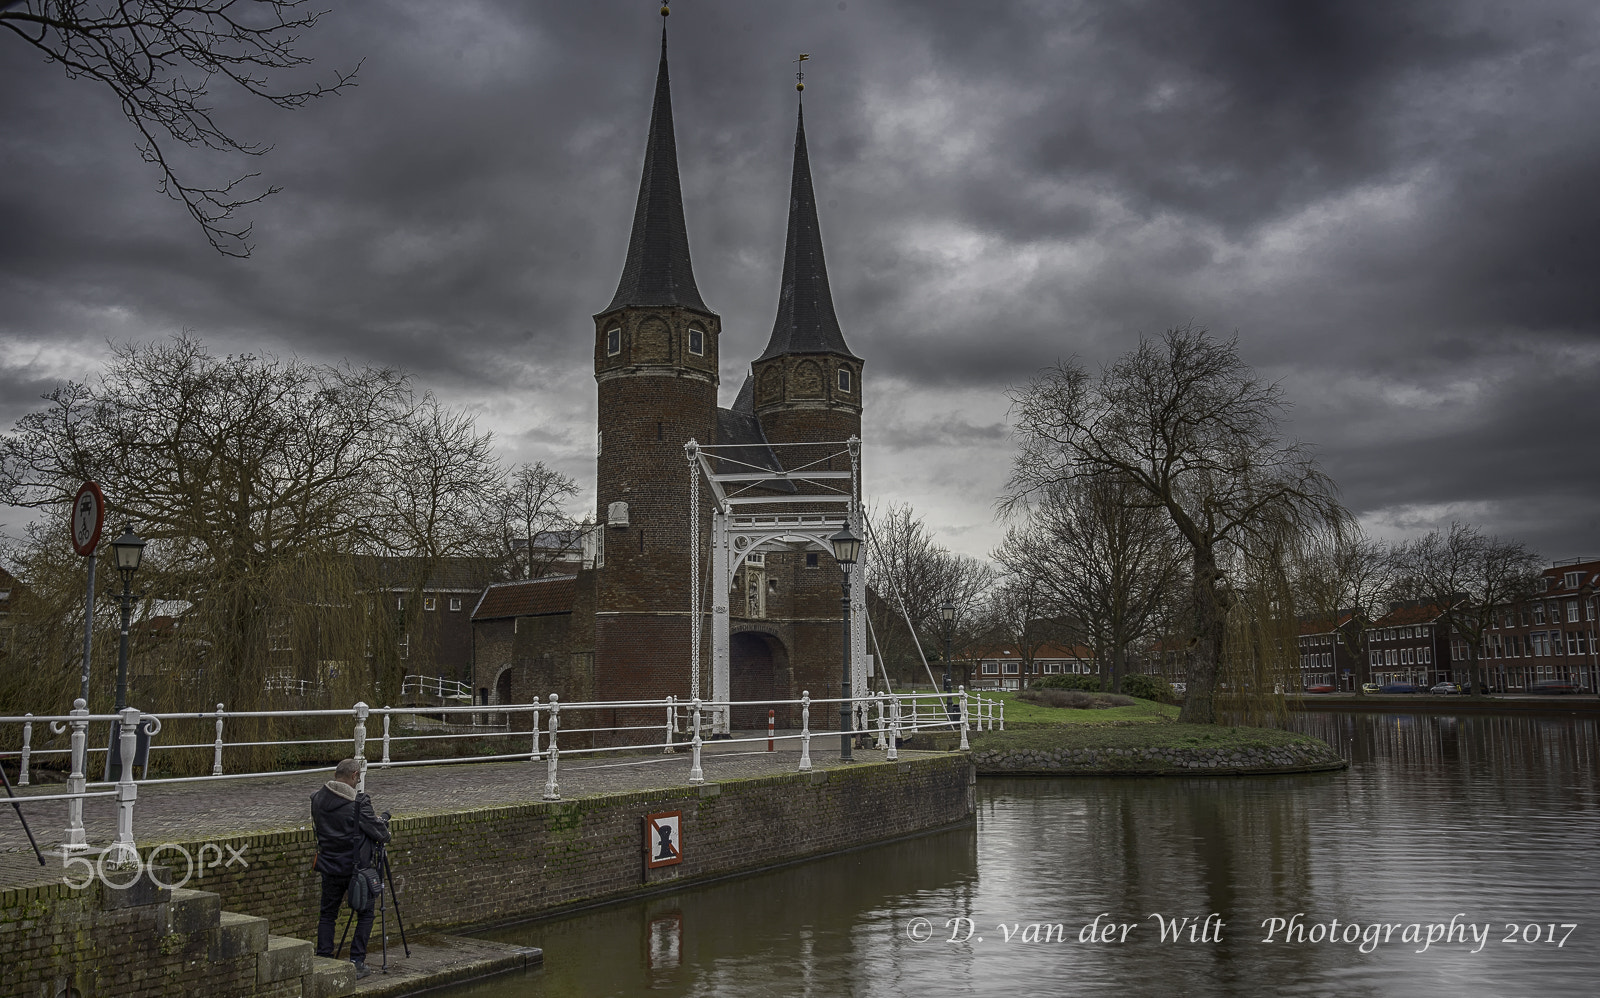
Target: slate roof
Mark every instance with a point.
(658, 271)
(740, 426)
(1411, 613)
(530, 598)
(806, 322)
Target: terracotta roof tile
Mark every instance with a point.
(555, 594)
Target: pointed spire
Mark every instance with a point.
(806, 322)
(658, 271)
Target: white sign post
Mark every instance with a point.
(88, 516)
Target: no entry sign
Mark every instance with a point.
(88, 516)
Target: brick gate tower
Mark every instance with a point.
(655, 359)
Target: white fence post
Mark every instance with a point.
(216, 746)
(990, 706)
(880, 720)
(385, 763)
(964, 713)
(127, 792)
(552, 791)
(75, 782)
(27, 739)
(672, 722)
(696, 774)
(360, 740)
(805, 730)
(535, 756)
(1002, 715)
(894, 729)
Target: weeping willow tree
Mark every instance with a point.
(1198, 437)
(1259, 672)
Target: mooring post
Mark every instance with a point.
(216, 746)
(772, 729)
(27, 738)
(963, 698)
(696, 774)
(805, 730)
(552, 791)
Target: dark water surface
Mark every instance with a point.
(1493, 820)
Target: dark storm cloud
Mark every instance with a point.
(1392, 205)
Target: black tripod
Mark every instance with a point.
(380, 863)
(20, 817)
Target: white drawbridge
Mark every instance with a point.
(744, 522)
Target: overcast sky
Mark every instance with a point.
(1393, 206)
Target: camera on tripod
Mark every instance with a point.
(381, 872)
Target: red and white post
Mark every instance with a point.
(772, 729)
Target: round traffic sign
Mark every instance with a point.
(88, 516)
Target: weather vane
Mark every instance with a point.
(800, 74)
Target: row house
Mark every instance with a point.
(1325, 658)
(1004, 667)
(1548, 636)
(1412, 644)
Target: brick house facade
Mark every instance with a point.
(1549, 635)
(620, 627)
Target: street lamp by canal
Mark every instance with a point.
(129, 550)
(947, 613)
(846, 549)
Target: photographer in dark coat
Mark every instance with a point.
(347, 827)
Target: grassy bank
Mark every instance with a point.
(1153, 736)
(1021, 714)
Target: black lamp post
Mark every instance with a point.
(846, 549)
(129, 550)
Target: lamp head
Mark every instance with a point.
(846, 546)
(129, 549)
(947, 612)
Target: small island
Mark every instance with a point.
(1098, 734)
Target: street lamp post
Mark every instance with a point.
(129, 550)
(846, 549)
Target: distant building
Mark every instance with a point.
(1411, 644)
(1325, 658)
(1549, 635)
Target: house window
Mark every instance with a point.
(1052, 668)
(613, 341)
(1011, 668)
(430, 603)
(455, 603)
(1538, 613)
(844, 380)
(991, 669)
(1573, 579)
(1572, 611)
(811, 559)
(697, 342)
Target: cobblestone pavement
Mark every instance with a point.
(216, 809)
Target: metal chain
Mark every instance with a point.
(694, 574)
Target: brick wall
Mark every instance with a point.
(505, 863)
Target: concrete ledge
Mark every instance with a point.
(283, 958)
(329, 978)
(239, 935)
(437, 960)
(190, 912)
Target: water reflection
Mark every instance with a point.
(1490, 818)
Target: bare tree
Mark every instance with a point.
(160, 57)
(258, 482)
(1101, 558)
(1468, 577)
(907, 569)
(535, 525)
(1196, 435)
(1344, 572)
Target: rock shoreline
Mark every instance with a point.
(1299, 757)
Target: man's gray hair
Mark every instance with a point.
(346, 769)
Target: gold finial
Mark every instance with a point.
(665, 10)
(799, 74)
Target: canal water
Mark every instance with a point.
(1457, 856)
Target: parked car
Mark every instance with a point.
(1370, 687)
(1547, 686)
(1322, 688)
(1180, 689)
(1447, 689)
(1401, 688)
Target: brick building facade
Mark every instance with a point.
(620, 627)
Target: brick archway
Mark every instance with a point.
(758, 667)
